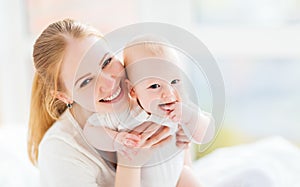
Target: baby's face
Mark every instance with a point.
(156, 95)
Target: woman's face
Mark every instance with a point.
(93, 77)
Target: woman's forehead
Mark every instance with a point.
(93, 57)
(82, 56)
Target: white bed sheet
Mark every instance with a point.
(270, 162)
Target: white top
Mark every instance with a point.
(67, 160)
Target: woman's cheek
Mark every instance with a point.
(119, 69)
(86, 98)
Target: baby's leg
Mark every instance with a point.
(188, 178)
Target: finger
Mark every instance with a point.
(180, 145)
(183, 138)
(172, 114)
(130, 143)
(141, 128)
(162, 142)
(180, 132)
(150, 131)
(133, 137)
(183, 145)
(158, 137)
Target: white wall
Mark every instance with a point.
(14, 64)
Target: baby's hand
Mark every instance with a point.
(181, 113)
(124, 143)
(176, 114)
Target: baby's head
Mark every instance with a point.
(154, 76)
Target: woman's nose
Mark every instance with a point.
(110, 75)
(106, 82)
(114, 69)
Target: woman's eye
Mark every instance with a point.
(175, 81)
(85, 82)
(154, 86)
(106, 62)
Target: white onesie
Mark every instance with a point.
(165, 166)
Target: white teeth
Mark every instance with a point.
(113, 96)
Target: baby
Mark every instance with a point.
(155, 90)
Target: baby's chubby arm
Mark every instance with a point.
(107, 139)
(196, 124)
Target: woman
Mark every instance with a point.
(67, 89)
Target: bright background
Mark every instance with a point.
(255, 43)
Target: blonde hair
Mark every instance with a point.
(48, 55)
(154, 44)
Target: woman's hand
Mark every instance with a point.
(152, 136)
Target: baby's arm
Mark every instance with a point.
(196, 124)
(107, 139)
(187, 178)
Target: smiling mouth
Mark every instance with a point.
(167, 106)
(112, 97)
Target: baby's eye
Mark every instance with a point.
(85, 82)
(106, 62)
(175, 81)
(154, 86)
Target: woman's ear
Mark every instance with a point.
(130, 89)
(61, 96)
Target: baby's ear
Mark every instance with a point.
(130, 89)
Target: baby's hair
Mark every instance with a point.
(156, 45)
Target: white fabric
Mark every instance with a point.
(271, 162)
(165, 166)
(129, 119)
(66, 160)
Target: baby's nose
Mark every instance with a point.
(168, 92)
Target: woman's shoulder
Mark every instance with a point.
(62, 129)
(63, 137)
(61, 161)
(65, 140)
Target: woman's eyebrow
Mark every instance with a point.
(102, 59)
(82, 78)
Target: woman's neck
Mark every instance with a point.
(80, 114)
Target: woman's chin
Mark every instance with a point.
(122, 105)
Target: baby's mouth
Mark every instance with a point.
(112, 97)
(167, 106)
